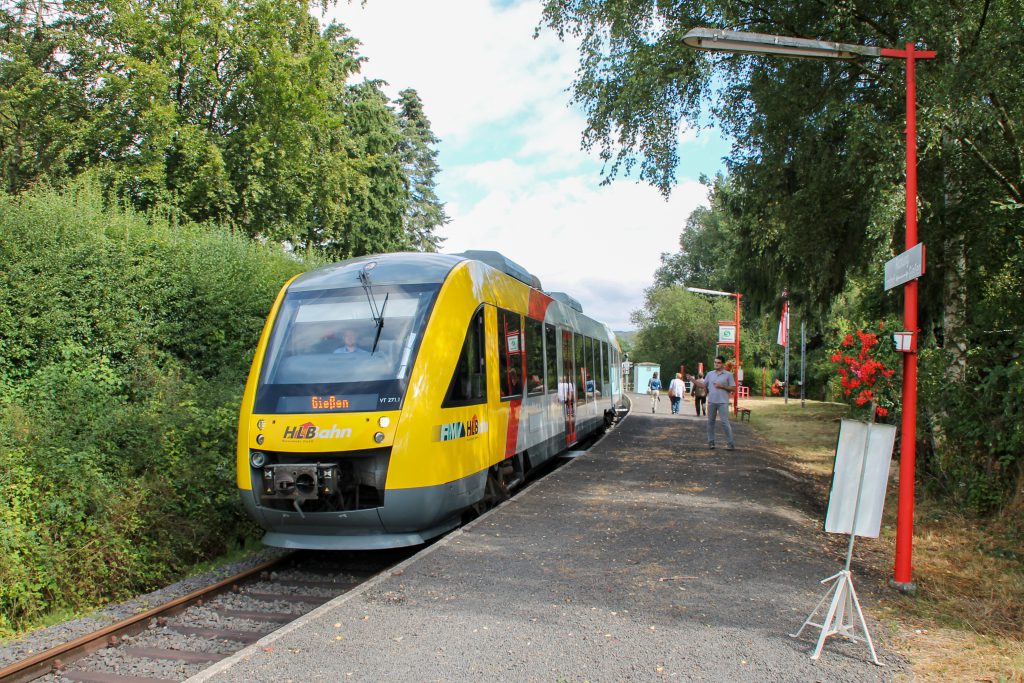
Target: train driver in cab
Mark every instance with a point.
(349, 345)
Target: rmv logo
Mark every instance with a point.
(458, 430)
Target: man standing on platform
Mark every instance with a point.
(720, 385)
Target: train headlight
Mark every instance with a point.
(384, 421)
(379, 437)
(259, 439)
(257, 459)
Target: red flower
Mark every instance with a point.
(861, 374)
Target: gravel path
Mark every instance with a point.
(649, 558)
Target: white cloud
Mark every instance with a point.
(470, 61)
(514, 177)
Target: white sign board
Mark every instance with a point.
(726, 334)
(906, 267)
(850, 454)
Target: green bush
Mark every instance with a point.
(124, 345)
(973, 428)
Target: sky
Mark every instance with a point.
(514, 178)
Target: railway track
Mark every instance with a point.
(180, 638)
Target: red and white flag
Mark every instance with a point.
(783, 338)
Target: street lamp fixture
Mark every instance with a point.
(761, 43)
(712, 292)
(716, 40)
(736, 343)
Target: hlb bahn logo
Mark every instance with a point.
(309, 430)
(460, 430)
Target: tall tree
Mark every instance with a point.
(378, 200)
(43, 109)
(819, 155)
(425, 213)
(243, 113)
(708, 247)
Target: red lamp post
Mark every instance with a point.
(735, 343)
(760, 43)
(908, 427)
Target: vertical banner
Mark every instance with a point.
(783, 336)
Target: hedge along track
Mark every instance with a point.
(215, 621)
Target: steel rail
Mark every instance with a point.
(41, 664)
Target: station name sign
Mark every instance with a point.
(906, 267)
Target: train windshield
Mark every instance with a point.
(335, 351)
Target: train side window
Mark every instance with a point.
(581, 368)
(593, 367)
(510, 354)
(534, 357)
(604, 366)
(469, 382)
(551, 358)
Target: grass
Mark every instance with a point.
(966, 620)
(235, 553)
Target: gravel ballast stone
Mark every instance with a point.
(43, 639)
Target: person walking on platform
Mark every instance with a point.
(700, 395)
(676, 389)
(654, 389)
(720, 384)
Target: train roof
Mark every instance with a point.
(504, 264)
(403, 268)
(567, 300)
(407, 268)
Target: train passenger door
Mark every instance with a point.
(567, 389)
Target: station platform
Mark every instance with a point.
(648, 558)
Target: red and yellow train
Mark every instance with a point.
(391, 394)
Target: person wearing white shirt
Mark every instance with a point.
(676, 389)
(721, 384)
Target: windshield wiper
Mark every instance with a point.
(380, 324)
(376, 313)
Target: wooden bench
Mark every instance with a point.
(744, 414)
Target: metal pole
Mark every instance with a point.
(803, 362)
(736, 394)
(785, 372)
(860, 486)
(908, 436)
